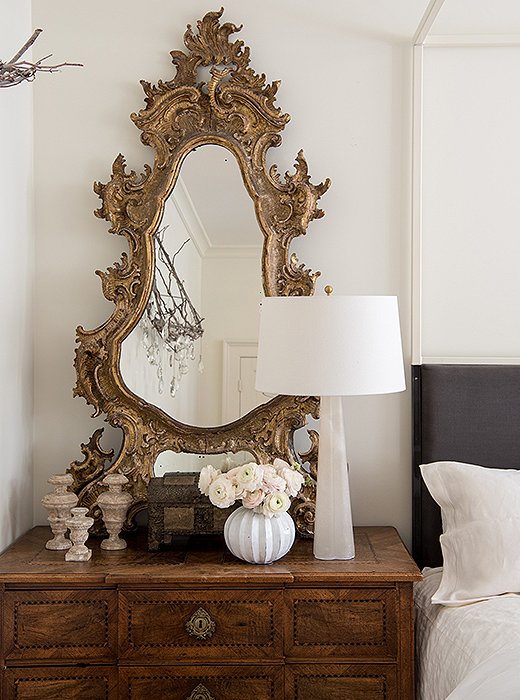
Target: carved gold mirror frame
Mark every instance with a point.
(235, 109)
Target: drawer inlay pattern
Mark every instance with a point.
(18, 613)
(32, 683)
(380, 680)
(132, 624)
(134, 690)
(369, 604)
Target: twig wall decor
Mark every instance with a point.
(15, 71)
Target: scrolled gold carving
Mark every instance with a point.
(93, 463)
(235, 109)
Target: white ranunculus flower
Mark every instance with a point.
(231, 473)
(275, 503)
(221, 492)
(208, 474)
(252, 499)
(248, 477)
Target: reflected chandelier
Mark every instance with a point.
(170, 324)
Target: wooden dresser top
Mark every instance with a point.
(380, 557)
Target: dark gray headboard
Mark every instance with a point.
(463, 413)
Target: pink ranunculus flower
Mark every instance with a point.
(208, 474)
(272, 481)
(252, 499)
(280, 464)
(293, 478)
(221, 492)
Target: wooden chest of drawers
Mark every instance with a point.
(194, 623)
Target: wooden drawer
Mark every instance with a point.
(352, 623)
(339, 682)
(60, 683)
(176, 626)
(202, 683)
(60, 626)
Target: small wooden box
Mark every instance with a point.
(177, 507)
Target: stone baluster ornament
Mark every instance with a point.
(79, 524)
(114, 504)
(59, 504)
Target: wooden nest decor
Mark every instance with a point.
(16, 70)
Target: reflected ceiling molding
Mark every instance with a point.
(234, 251)
(190, 218)
(197, 231)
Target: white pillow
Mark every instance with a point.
(481, 530)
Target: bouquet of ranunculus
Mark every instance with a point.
(265, 488)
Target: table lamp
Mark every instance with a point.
(330, 346)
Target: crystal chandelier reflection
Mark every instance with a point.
(170, 324)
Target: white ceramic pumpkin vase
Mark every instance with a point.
(256, 538)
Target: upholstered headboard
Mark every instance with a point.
(463, 413)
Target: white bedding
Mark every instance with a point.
(470, 652)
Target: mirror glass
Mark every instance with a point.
(169, 461)
(210, 236)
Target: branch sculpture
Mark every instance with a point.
(15, 71)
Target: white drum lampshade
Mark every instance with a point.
(330, 346)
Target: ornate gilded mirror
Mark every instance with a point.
(215, 100)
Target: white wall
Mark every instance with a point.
(16, 234)
(347, 89)
(231, 295)
(470, 231)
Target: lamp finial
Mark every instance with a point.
(328, 290)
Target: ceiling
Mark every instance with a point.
(478, 17)
(211, 176)
(386, 19)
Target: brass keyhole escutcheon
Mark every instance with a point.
(200, 693)
(200, 625)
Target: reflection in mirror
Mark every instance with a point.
(170, 325)
(210, 234)
(169, 461)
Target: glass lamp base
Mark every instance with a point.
(333, 533)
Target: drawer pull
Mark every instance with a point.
(201, 626)
(200, 693)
